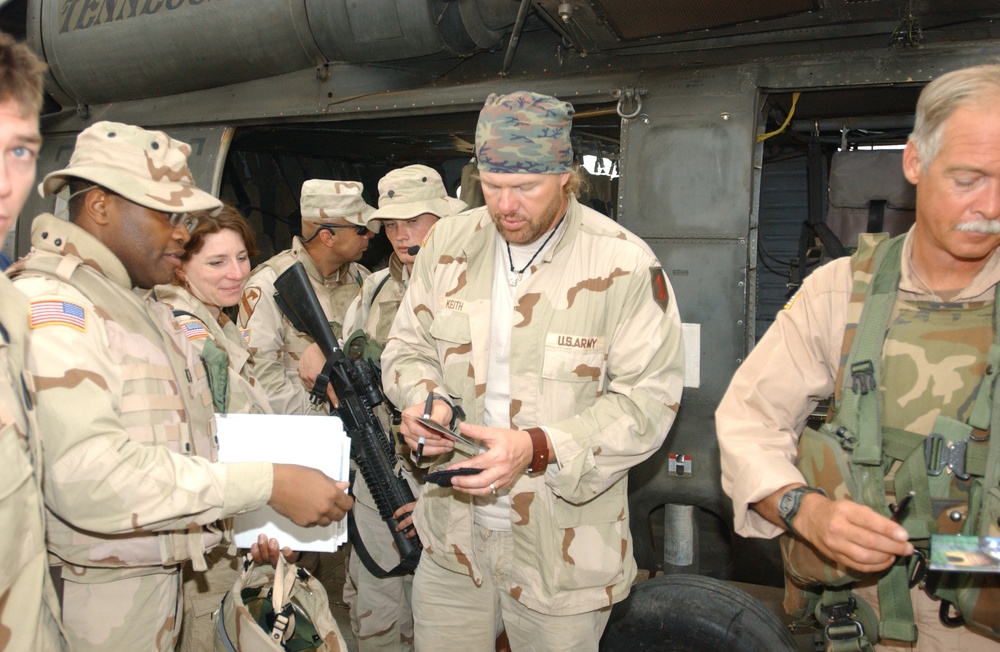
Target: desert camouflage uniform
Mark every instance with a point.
(381, 614)
(595, 359)
(128, 444)
(29, 608)
(932, 362)
(203, 591)
(274, 344)
(246, 396)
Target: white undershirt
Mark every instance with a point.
(493, 512)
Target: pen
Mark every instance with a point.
(897, 514)
(428, 406)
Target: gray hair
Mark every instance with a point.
(941, 97)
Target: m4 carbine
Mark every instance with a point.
(358, 391)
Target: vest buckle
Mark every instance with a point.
(863, 377)
(938, 455)
(841, 622)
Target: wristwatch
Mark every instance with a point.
(788, 506)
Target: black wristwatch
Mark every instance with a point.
(788, 506)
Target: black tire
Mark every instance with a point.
(692, 613)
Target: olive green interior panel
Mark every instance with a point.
(688, 159)
(709, 283)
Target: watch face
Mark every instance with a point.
(786, 503)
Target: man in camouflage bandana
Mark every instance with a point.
(29, 608)
(123, 402)
(556, 332)
(932, 361)
(334, 237)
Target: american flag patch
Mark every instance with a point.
(245, 332)
(52, 313)
(194, 330)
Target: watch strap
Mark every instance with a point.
(539, 451)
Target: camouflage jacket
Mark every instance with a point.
(128, 439)
(274, 343)
(596, 358)
(202, 322)
(795, 365)
(29, 608)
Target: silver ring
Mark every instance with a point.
(493, 489)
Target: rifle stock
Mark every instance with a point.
(358, 392)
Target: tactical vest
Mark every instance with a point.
(183, 423)
(911, 413)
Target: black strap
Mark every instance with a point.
(876, 215)
(405, 566)
(378, 288)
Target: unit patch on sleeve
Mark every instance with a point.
(660, 294)
(53, 312)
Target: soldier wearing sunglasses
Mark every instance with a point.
(122, 399)
(334, 237)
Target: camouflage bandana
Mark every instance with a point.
(524, 132)
(148, 168)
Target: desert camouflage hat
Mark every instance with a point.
(524, 132)
(324, 199)
(414, 190)
(148, 168)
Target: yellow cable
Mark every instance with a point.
(784, 125)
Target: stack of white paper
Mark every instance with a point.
(315, 441)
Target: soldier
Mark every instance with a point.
(334, 237)
(215, 265)
(554, 329)
(29, 608)
(411, 200)
(123, 402)
(912, 318)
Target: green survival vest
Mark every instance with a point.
(868, 452)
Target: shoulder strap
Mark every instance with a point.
(378, 288)
(859, 409)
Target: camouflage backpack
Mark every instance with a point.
(285, 610)
(950, 468)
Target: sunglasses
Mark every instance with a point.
(360, 230)
(187, 220)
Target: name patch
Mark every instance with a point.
(574, 341)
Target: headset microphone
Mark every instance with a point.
(413, 250)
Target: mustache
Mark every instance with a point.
(988, 227)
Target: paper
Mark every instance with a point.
(315, 441)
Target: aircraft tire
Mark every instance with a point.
(693, 613)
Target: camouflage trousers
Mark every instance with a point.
(932, 636)
(203, 594)
(451, 613)
(137, 613)
(381, 617)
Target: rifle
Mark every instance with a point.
(357, 388)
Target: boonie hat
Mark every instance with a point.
(414, 190)
(524, 132)
(148, 168)
(323, 200)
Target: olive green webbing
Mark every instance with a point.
(875, 447)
